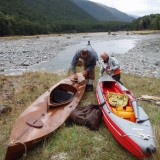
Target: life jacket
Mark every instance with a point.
(117, 71)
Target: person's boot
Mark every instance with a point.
(89, 88)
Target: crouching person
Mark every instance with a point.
(89, 57)
(111, 66)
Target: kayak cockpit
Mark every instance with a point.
(118, 102)
(61, 95)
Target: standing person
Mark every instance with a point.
(111, 66)
(89, 56)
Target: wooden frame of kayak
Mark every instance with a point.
(43, 117)
(134, 131)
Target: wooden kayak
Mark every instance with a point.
(44, 116)
(125, 118)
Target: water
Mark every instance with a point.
(114, 46)
(63, 59)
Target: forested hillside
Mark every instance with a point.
(39, 16)
(60, 11)
(147, 22)
(30, 17)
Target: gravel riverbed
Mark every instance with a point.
(144, 58)
(20, 53)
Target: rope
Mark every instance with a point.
(25, 147)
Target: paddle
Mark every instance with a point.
(139, 118)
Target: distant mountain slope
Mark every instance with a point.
(102, 12)
(48, 11)
(120, 15)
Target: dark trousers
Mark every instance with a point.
(117, 78)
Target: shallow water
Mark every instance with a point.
(63, 59)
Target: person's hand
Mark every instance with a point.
(75, 76)
(84, 73)
(108, 70)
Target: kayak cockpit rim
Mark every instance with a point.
(61, 95)
(106, 79)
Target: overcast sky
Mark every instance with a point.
(133, 7)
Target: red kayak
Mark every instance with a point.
(125, 118)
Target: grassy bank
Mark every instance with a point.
(72, 142)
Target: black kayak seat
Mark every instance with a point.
(60, 95)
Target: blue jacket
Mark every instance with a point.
(90, 62)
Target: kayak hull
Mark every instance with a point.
(43, 117)
(135, 133)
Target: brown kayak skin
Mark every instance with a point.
(43, 117)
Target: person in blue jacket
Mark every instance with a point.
(89, 57)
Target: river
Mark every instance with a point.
(53, 53)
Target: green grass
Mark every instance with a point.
(73, 142)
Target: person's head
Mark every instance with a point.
(104, 56)
(84, 53)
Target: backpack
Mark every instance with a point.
(89, 116)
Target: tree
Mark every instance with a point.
(157, 22)
(5, 24)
